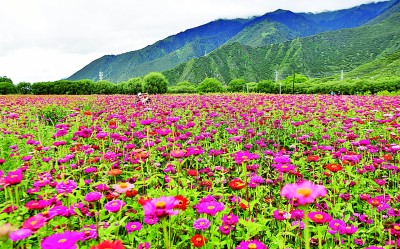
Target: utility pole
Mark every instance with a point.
(100, 76)
(294, 77)
(276, 80)
(342, 76)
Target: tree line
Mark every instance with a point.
(156, 83)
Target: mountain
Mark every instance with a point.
(325, 53)
(163, 54)
(272, 28)
(276, 27)
(349, 18)
(381, 67)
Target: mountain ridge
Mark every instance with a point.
(271, 28)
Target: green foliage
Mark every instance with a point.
(210, 85)
(252, 87)
(24, 88)
(132, 86)
(237, 85)
(5, 79)
(52, 114)
(298, 78)
(155, 83)
(104, 87)
(7, 87)
(266, 86)
(183, 87)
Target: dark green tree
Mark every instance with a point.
(24, 88)
(155, 83)
(210, 85)
(237, 85)
(133, 86)
(7, 88)
(5, 79)
(266, 86)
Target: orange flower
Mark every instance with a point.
(114, 172)
(87, 113)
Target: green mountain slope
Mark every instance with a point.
(271, 28)
(328, 52)
(164, 54)
(276, 27)
(381, 67)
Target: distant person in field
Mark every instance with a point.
(143, 98)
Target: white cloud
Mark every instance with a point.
(51, 39)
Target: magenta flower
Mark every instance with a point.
(13, 177)
(20, 234)
(280, 215)
(133, 226)
(225, 229)
(93, 196)
(230, 219)
(304, 193)
(319, 217)
(144, 245)
(349, 230)
(253, 244)
(114, 206)
(336, 226)
(210, 208)
(66, 186)
(284, 167)
(66, 240)
(201, 224)
(159, 207)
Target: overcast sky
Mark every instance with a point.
(46, 40)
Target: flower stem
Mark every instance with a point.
(166, 239)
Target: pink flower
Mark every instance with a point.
(114, 206)
(319, 217)
(66, 240)
(35, 222)
(13, 177)
(162, 206)
(304, 193)
(123, 187)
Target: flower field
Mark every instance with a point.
(200, 171)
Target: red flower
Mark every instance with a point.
(198, 240)
(243, 206)
(237, 184)
(313, 158)
(387, 157)
(143, 200)
(131, 193)
(183, 202)
(117, 244)
(334, 167)
(192, 172)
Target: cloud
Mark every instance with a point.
(51, 39)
